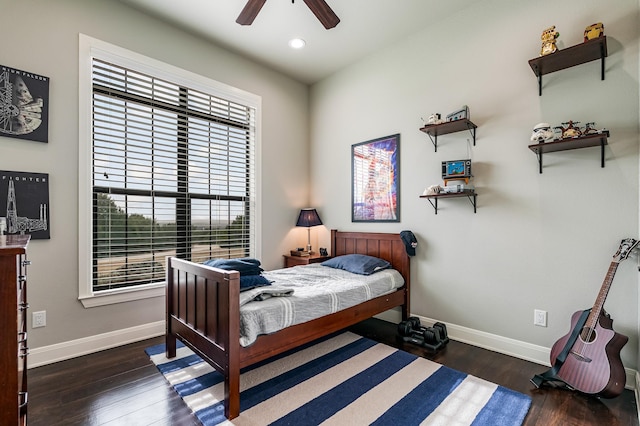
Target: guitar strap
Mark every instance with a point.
(551, 374)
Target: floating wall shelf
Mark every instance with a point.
(572, 143)
(433, 130)
(469, 193)
(569, 57)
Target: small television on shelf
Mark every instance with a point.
(456, 169)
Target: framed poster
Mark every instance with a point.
(375, 180)
(24, 105)
(24, 203)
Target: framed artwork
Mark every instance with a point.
(24, 203)
(375, 180)
(24, 105)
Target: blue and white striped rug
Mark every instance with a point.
(344, 380)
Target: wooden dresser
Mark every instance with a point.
(13, 329)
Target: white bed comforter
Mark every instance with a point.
(317, 291)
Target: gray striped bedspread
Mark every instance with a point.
(316, 291)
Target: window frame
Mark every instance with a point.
(88, 49)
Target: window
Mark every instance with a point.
(170, 166)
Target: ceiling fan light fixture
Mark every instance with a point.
(320, 8)
(297, 43)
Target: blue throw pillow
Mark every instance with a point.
(358, 263)
(246, 266)
(249, 282)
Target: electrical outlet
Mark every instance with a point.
(539, 317)
(38, 319)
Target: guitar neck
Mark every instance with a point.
(592, 320)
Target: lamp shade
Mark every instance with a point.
(308, 218)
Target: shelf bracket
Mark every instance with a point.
(602, 56)
(539, 84)
(435, 206)
(472, 200)
(435, 141)
(539, 155)
(472, 130)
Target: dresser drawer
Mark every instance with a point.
(13, 329)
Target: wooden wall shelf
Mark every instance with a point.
(433, 130)
(569, 57)
(596, 139)
(469, 193)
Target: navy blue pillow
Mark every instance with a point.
(358, 263)
(246, 266)
(249, 282)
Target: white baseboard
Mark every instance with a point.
(512, 347)
(75, 348)
(516, 348)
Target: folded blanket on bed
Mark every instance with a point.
(245, 265)
(249, 268)
(263, 293)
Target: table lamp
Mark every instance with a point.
(308, 218)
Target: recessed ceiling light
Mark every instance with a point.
(297, 43)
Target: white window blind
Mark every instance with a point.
(173, 174)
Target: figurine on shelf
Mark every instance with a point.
(434, 118)
(542, 132)
(570, 131)
(432, 190)
(549, 37)
(589, 130)
(593, 31)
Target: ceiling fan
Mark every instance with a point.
(319, 8)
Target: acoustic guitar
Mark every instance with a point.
(591, 364)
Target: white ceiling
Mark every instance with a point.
(365, 26)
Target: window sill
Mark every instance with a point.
(111, 297)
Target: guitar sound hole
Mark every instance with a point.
(588, 335)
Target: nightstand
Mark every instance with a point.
(290, 261)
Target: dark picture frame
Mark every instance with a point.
(24, 197)
(24, 105)
(375, 180)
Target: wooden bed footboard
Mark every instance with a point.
(203, 311)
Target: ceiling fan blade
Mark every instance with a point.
(323, 12)
(250, 11)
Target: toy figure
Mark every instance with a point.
(542, 132)
(549, 37)
(570, 131)
(434, 119)
(432, 190)
(593, 31)
(589, 130)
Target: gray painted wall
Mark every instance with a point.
(49, 46)
(538, 241)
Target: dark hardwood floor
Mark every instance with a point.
(122, 387)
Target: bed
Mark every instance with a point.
(203, 310)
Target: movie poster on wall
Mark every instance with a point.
(24, 105)
(24, 203)
(375, 174)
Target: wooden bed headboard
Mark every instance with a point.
(389, 247)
